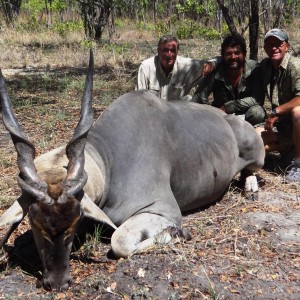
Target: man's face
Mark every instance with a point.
(233, 57)
(167, 53)
(276, 49)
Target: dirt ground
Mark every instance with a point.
(240, 249)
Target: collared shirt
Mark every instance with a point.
(248, 93)
(287, 82)
(185, 75)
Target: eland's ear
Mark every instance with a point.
(16, 212)
(91, 210)
(14, 216)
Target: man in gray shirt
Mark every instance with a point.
(169, 75)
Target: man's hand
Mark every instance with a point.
(208, 67)
(269, 124)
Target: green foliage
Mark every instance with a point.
(58, 5)
(292, 7)
(144, 25)
(65, 27)
(162, 27)
(32, 24)
(116, 48)
(36, 21)
(88, 43)
(187, 30)
(225, 29)
(120, 23)
(161, 8)
(207, 33)
(190, 6)
(190, 29)
(33, 7)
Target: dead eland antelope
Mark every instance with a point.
(141, 164)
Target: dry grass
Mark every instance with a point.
(49, 49)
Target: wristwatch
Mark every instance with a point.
(274, 113)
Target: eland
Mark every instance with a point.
(137, 168)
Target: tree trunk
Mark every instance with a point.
(253, 29)
(228, 18)
(95, 16)
(11, 10)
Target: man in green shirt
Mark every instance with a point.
(235, 84)
(280, 74)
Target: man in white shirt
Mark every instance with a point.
(168, 75)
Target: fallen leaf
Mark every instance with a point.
(223, 278)
(174, 285)
(113, 286)
(141, 272)
(60, 296)
(201, 253)
(234, 291)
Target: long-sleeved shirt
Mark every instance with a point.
(185, 75)
(249, 92)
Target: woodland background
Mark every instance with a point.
(185, 18)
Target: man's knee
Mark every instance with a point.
(296, 114)
(255, 115)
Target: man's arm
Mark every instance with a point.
(201, 68)
(287, 107)
(210, 65)
(239, 106)
(283, 109)
(256, 95)
(204, 89)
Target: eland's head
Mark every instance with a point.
(54, 200)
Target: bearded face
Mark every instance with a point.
(233, 57)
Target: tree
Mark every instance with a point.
(242, 11)
(49, 12)
(96, 14)
(227, 16)
(269, 13)
(10, 10)
(253, 29)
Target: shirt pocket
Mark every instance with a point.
(176, 91)
(154, 87)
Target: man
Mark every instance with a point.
(168, 75)
(281, 80)
(235, 83)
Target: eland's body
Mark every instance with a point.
(146, 161)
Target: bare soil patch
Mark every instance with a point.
(241, 249)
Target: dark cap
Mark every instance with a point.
(278, 33)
